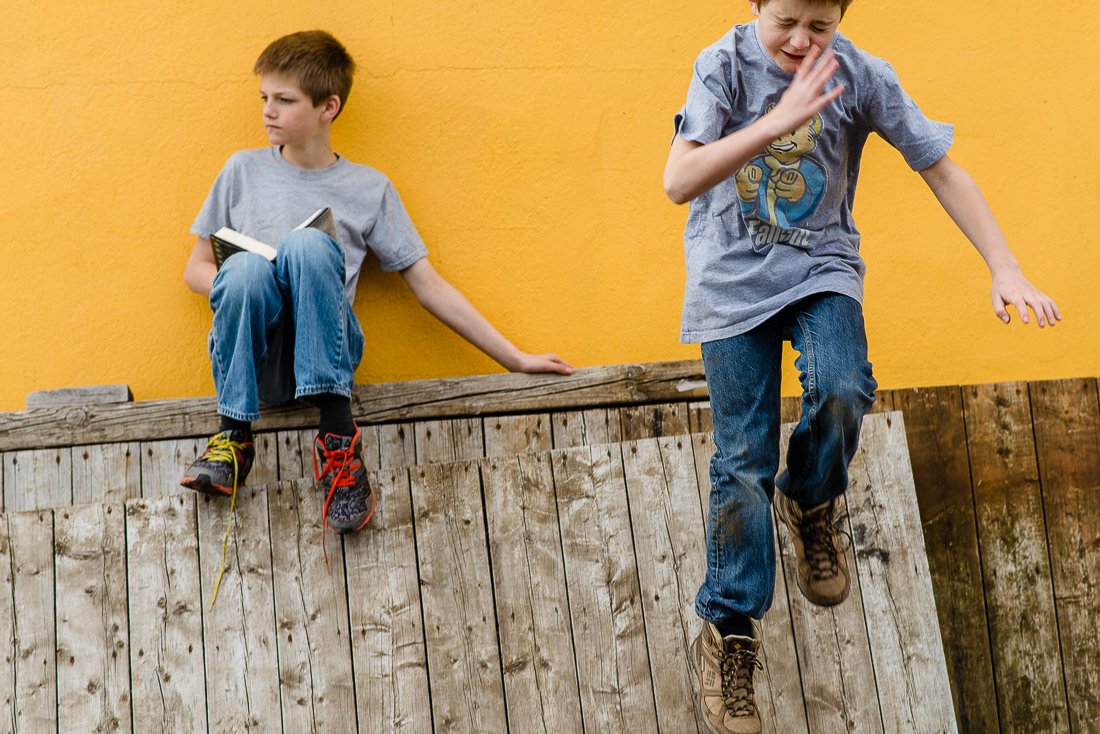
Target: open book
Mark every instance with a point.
(226, 241)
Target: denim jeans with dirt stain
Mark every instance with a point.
(282, 329)
(743, 377)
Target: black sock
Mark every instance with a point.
(738, 624)
(232, 424)
(335, 414)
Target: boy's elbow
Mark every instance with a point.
(675, 191)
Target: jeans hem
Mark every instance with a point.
(238, 415)
(304, 391)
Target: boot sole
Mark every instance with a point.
(203, 485)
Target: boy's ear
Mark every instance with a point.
(755, 9)
(330, 108)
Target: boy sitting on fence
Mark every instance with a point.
(767, 150)
(286, 329)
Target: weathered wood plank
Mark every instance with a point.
(396, 401)
(30, 539)
(540, 673)
(396, 445)
(602, 580)
(311, 613)
(1031, 692)
(93, 639)
(936, 435)
(517, 434)
(1067, 437)
(671, 556)
(457, 598)
(164, 462)
(108, 473)
(7, 624)
(70, 396)
(585, 427)
(651, 421)
(700, 417)
(387, 635)
(239, 636)
(168, 691)
(293, 456)
(832, 644)
(445, 441)
(265, 468)
(37, 479)
(910, 670)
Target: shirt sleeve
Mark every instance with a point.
(393, 237)
(709, 100)
(215, 210)
(896, 118)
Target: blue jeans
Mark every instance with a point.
(282, 330)
(743, 376)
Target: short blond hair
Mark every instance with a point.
(320, 64)
(842, 3)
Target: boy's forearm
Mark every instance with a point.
(693, 168)
(961, 198)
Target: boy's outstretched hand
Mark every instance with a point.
(536, 363)
(1012, 288)
(807, 96)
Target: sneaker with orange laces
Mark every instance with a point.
(223, 466)
(338, 466)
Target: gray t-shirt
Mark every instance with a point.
(262, 195)
(781, 229)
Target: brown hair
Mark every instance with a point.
(842, 3)
(320, 63)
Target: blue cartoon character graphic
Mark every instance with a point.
(783, 185)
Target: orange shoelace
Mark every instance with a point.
(341, 464)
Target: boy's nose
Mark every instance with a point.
(800, 40)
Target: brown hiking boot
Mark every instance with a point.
(724, 668)
(823, 576)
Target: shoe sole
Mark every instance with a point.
(203, 485)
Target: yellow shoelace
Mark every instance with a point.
(222, 448)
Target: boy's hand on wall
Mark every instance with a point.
(533, 363)
(807, 96)
(1011, 287)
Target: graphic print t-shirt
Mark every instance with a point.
(781, 228)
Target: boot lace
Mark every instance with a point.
(818, 530)
(737, 690)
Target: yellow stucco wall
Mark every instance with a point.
(527, 140)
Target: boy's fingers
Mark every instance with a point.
(1021, 308)
(1000, 309)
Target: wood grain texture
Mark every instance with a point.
(1067, 437)
(914, 692)
(30, 545)
(107, 473)
(573, 428)
(650, 421)
(163, 463)
(604, 598)
(93, 640)
(936, 437)
(37, 479)
(383, 403)
(311, 613)
(457, 597)
(540, 672)
(239, 636)
(387, 631)
(166, 645)
(517, 434)
(671, 555)
(1031, 691)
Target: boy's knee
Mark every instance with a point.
(243, 275)
(850, 401)
(309, 245)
